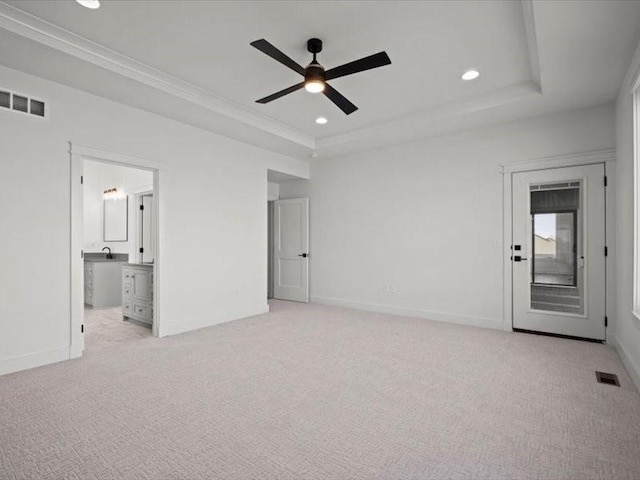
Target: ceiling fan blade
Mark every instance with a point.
(266, 48)
(281, 93)
(341, 102)
(367, 63)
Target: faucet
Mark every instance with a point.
(109, 255)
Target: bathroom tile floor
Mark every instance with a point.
(106, 328)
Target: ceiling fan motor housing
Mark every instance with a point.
(314, 73)
(314, 45)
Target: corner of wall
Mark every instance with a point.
(633, 368)
(33, 360)
(493, 323)
(209, 321)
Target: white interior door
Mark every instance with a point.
(146, 228)
(291, 249)
(558, 251)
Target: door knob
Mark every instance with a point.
(303, 255)
(518, 258)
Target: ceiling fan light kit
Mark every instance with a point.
(315, 76)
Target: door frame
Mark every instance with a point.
(276, 224)
(137, 194)
(606, 157)
(77, 155)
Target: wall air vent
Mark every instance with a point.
(5, 99)
(21, 103)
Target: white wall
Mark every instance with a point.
(294, 189)
(273, 191)
(212, 225)
(626, 326)
(99, 177)
(425, 218)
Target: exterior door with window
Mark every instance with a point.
(558, 251)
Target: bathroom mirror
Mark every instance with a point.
(116, 219)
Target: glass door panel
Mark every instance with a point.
(555, 243)
(554, 248)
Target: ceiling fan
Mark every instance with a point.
(315, 76)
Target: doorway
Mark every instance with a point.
(291, 249)
(288, 238)
(114, 246)
(558, 252)
(117, 253)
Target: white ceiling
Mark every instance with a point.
(191, 61)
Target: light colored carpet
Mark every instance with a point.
(106, 328)
(316, 392)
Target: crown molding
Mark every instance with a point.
(436, 114)
(449, 110)
(532, 41)
(34, 28)
(50, 35)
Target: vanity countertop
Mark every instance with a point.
(105, 260)
(138, 264)
(95, 257)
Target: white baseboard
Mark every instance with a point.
(493, 323)
(630, 364)
(216, 319)
(32, 360)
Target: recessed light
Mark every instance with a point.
(470, 75)
(92, 4)
(321, 120)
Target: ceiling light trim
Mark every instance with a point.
(470, 75)
(29, 26)
(90, 4)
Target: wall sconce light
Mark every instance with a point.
(113, 194)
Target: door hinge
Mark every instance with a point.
(82, 328)
(141, 207)
(605, 181)
(606, 251)
(606, 321)
(141, 250)
(81, 179)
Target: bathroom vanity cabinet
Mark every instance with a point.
(103, 283)
(137, 292)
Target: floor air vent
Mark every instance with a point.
(608, 378)
(21, 103)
